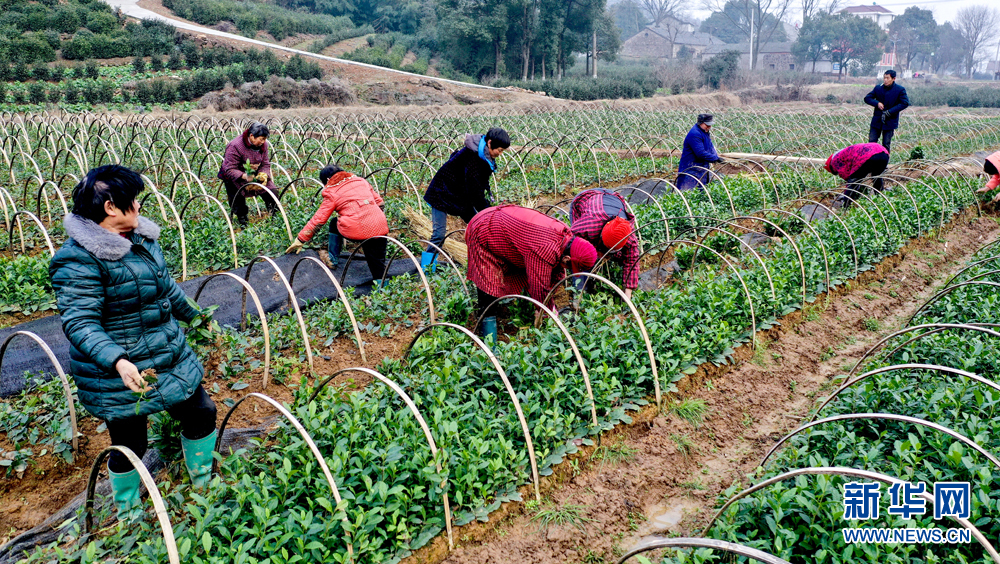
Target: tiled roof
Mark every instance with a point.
(873, 9)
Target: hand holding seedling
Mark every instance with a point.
(130, 375)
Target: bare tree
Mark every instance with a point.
(660, 10)
(748, 16)
(978, 27)
(811, 8)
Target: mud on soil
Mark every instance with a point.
(675, 471)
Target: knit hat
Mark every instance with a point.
(615, 233)
(582, 255)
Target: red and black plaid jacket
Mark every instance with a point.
(591, 210)
(511, 248)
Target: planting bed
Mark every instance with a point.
(443, 433)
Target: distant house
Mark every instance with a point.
(882, 16)
(666, 40)
(772, 56)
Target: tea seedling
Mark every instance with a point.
(872, 324)
(870, 297)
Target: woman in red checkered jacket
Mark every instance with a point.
(513, 248)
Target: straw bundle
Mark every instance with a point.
(454, 245)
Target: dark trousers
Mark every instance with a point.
(484, 300)
(374, 250)
(886, 134)
(874, 166)
(238, 201)
(197, 417)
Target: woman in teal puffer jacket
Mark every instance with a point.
(119, 307)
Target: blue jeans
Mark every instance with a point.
(885, 134)
(439, 223)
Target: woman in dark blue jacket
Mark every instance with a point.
(119, 306)
(888, 99)
(698, 153)
(462, 185)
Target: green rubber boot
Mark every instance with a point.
(490, 330)
(126, 494)
(198, 458)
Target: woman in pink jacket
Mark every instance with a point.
(360, 216)
(992, 168)
(853, 163)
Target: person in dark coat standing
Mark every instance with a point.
(854, 163)
(888, 99)
(697, 155)
(461, 186)
(513, 249)
(119, 308)
(248, 159)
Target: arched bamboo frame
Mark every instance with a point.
(563, 330)
(154, 495)
(291, 295)
(891, 417)
(936, 328)
(340, 293)
(15, 219)
(309, 441)
(420, 420)
(654, 543)
(948, 290)
(911, 366)
(413, 259)
(225, 217)
(635, 313)
(866, 474)
(67, 391)
(260, 313)
(506, 381)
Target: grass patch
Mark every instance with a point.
(692, 410)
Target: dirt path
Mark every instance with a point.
(669, 472)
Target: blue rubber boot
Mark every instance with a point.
(376, 285)
(428, 260)
(490, 330)
(198, 458)
(334, 246)
(125, 492)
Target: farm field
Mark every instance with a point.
(422, 432)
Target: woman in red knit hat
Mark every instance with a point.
(360, 216)
(855, 162)
(601, 217)
(513, 248)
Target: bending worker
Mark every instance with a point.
(697, 155)
(462, 186)
(601, 217)
(248, 159)
(119, 307)
(360, 216)
(513, 248)
(991, 167)
(855, 162)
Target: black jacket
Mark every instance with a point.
(893, 98)
(462, 185)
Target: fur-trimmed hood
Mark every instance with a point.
(102, 243)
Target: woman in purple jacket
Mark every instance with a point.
(855, 162)
(248, 159)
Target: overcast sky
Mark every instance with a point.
(944, 10)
